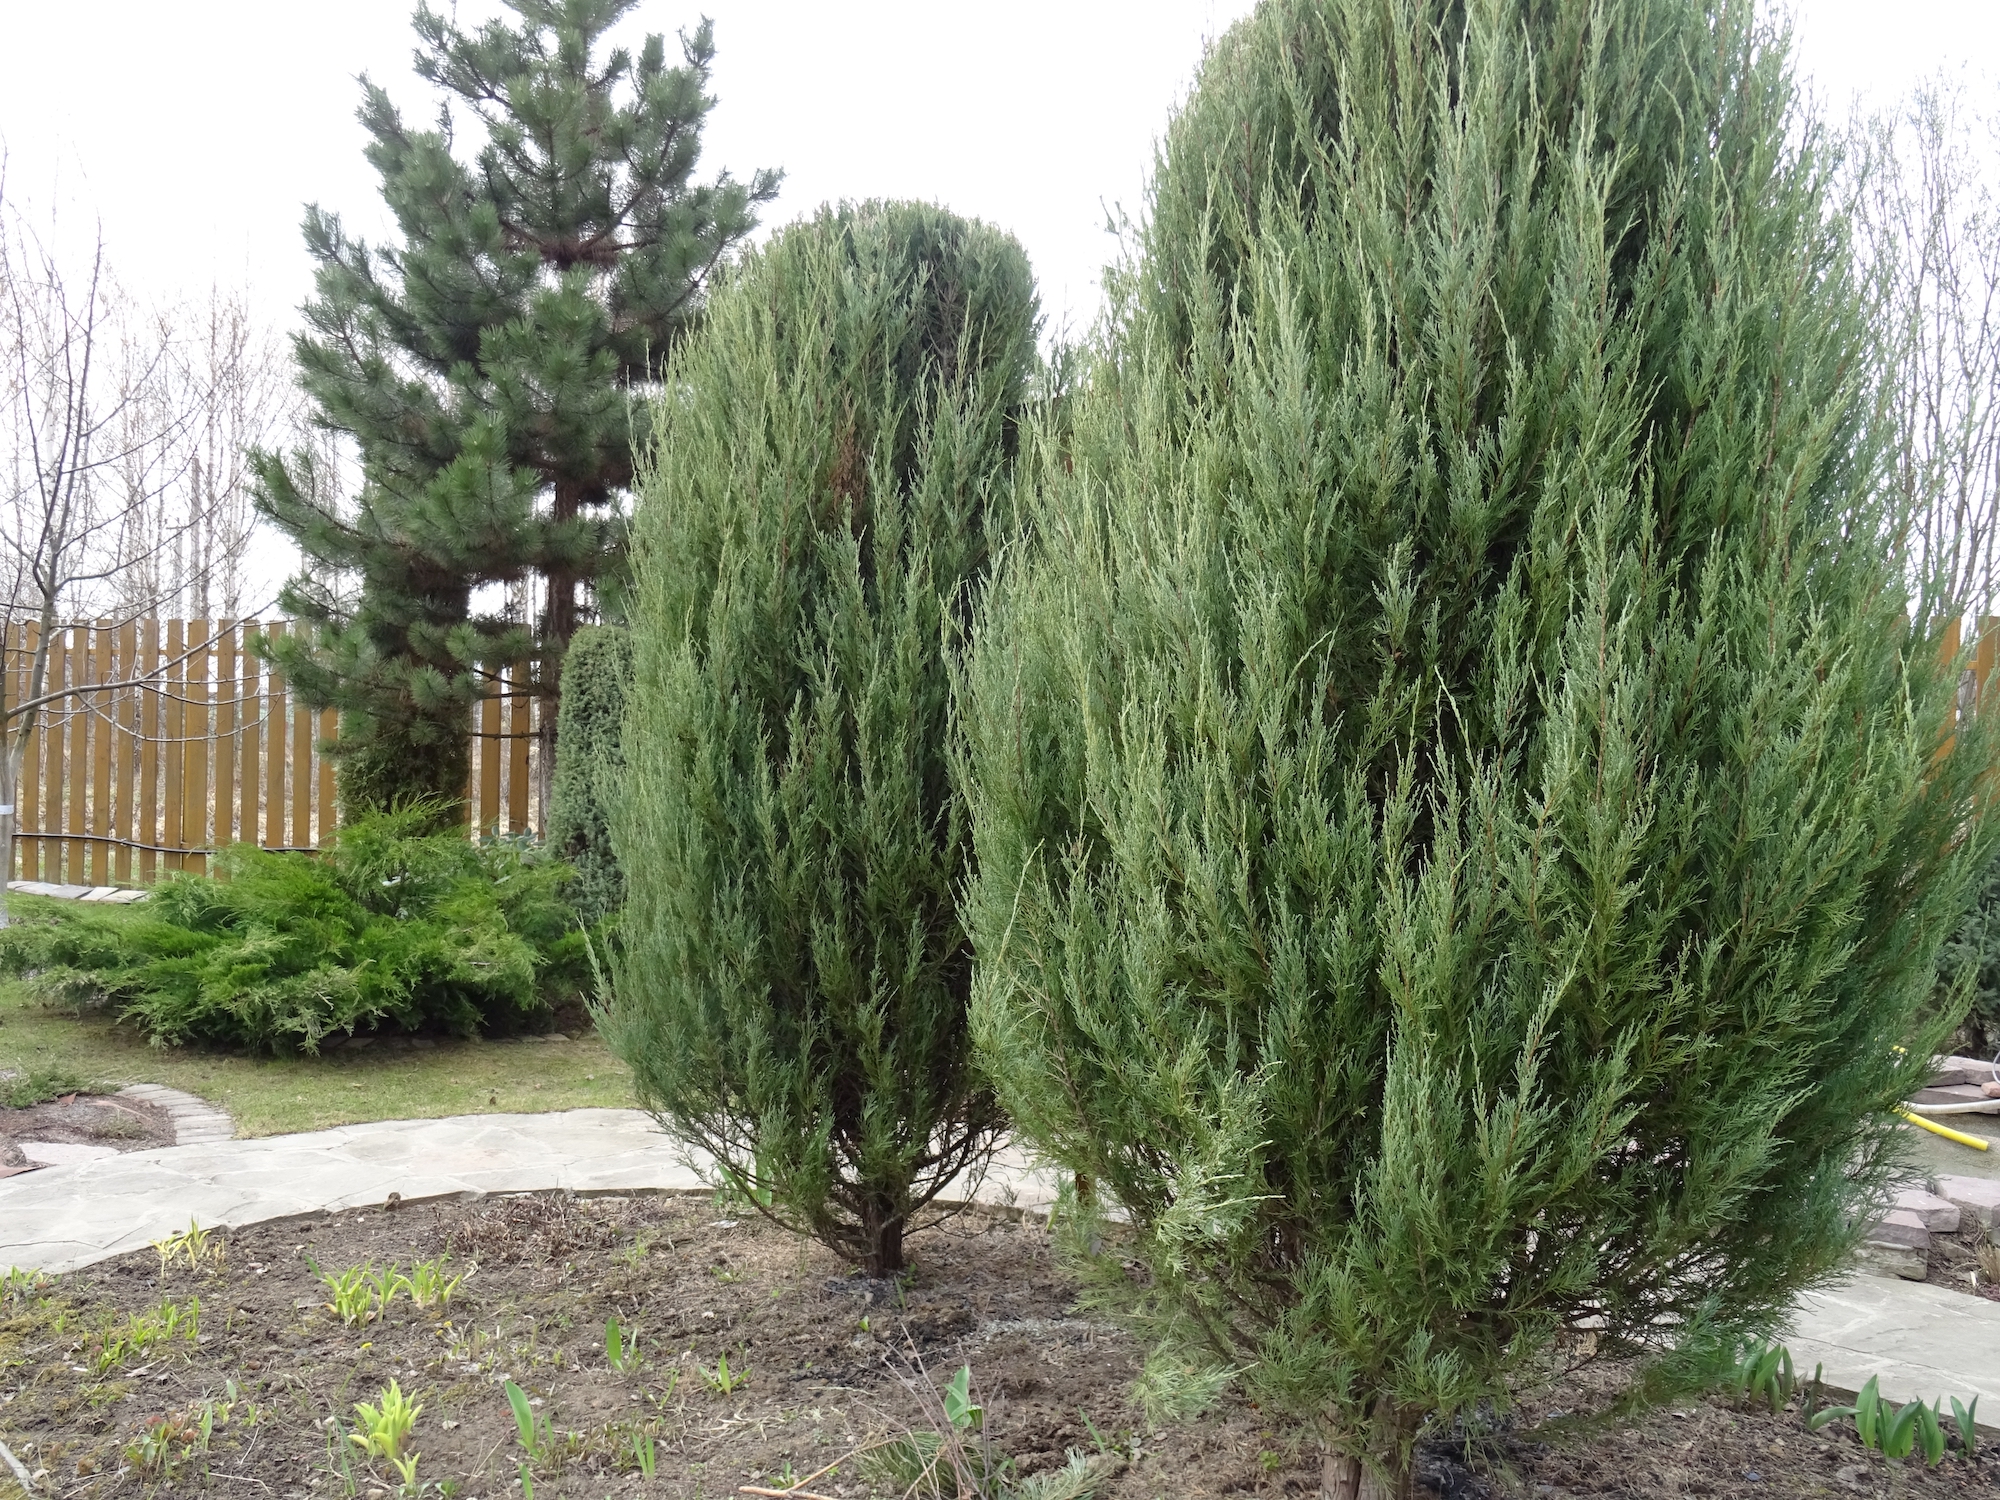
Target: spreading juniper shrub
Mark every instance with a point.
(389, 929)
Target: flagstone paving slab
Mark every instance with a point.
(1921, 1342)
(60, 1218)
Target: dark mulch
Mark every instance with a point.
(84, 1120)
(830, 1359)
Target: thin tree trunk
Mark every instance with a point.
(883, 1226)
(10, 779)
(1344, 1478)
(558, 627)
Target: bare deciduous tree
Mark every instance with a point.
(123, 436)
(1930, 223)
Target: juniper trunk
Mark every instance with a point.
(792, 975)
(1464, 793)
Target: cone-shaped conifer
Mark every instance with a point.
(1463, 792)
(791, 982)
(482, 366)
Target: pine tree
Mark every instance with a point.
(1462, 803)
(483, 369)
(791, 978)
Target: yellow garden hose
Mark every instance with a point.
(1977, 1143)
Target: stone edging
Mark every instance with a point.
(115, 895)
(196, 1122)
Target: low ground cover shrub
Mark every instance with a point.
(39, 1085)
(390, 929)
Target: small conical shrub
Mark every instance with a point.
(589, 761)
(1463, 813)
(791, 982)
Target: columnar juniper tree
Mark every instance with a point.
(792, 977)
(1463, 822)
(589, 764)
(483, 368)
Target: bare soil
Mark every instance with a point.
(820, 1363)
(83, 1120)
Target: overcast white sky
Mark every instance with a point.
(198, 128)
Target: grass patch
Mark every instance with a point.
(39, 1085)
(276, 1095)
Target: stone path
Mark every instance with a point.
(115, 895)
(1920, 1341)
(63, 1217)
(1917, 1339)
(196, 1121)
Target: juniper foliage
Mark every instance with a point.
(1463, 821)
(791, 981)
(391, 929)
(589, 760)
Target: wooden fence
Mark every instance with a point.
(164, 740)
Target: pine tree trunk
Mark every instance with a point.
(558, 627)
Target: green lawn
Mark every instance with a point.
(270, 1096)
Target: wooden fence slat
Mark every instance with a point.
(54, 721)
(175, 748)
(148, 832)
(1984, 656)
(329, 726)
(489, 765)
(517, 748)
(27, 807)
(303, 752)
(225, 734)
(195, 750)
(274, 773)
(249, 738)
(124, 749)
(76, 767)
(99, 715)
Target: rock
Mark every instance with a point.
(1947, 1071)
(1976, 1198)
(1902, 1230)
(1891, 1260)
(1938, 1215)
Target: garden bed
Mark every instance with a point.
(108, 1373)
(96, 1122)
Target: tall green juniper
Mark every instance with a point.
(1459, 775)
(482, 368)
(792, 975)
